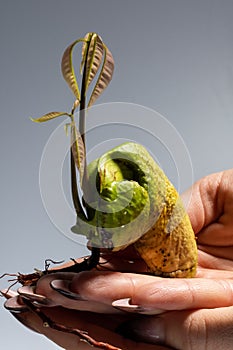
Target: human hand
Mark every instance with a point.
(71, 322)
(195, 313)
(190, 308)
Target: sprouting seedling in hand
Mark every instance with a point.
(132, 200)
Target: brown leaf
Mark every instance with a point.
(94, 52)
(105, 76)
(68, 69)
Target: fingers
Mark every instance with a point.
(67, 326)
(197, 330)
(56, 289)
(99, 327)
(185, 329)
(202, 202)
(209, 205)
(96, 291)
(216, 258)
(153, 293)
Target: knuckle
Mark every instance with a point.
(227, 290)
(196, 332)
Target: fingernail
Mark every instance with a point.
(8, 293)
(126, 305)
(62, 287)
(28, 293)
(15, 305)
(146, 329)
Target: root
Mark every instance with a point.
(83, 335)
(31, 279)
(14, 280)
(11, 275)
(48, 262)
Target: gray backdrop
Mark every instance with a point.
(172, 56)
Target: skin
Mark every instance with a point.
(185, 314)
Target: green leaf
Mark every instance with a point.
(48, 116)
(78, 149)
(105, 76)
(68, 69)
(92, 53)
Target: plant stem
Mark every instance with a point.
(74, 186)
(82, 130)
(95, 254)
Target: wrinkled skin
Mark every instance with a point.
(192, 313)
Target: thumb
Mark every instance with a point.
(203, 329)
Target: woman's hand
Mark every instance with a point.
(54, 302)
(181, 313)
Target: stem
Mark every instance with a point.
(94, 259)
(82, 114)
(74, 186)
(82, 130)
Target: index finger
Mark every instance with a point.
(152, 294)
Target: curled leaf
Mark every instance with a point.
(92, 54)
(68, 69)
(48, 116)
(105, 76)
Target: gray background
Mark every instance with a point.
(175, 57)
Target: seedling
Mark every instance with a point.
(96, 68)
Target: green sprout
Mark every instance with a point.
(97, 63)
